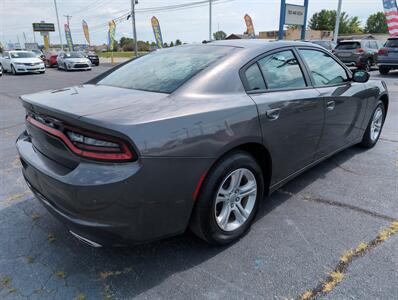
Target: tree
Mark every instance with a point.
(376, 23)
(171, 44)
(178, 42)
(326, 20)
(219, 35)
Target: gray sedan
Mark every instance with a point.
(192, 136)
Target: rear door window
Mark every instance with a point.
(282, 71)
(254, 78)
(323, 68)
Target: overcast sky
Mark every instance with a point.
(190, 25)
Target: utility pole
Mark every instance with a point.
(59, 27)
(210, 19)
(336, 28)
(133, 3)
(68, 17)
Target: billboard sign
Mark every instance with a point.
(294, 14)
(41, 27)
(157, 32)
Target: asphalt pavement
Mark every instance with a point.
(302, 230)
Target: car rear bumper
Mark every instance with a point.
(115, 204)
(388, 63)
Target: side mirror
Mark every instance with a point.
(360, 76)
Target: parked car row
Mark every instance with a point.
(364, 54)
(22, 61)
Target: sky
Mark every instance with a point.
(189, 25)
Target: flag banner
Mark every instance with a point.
(111, 34)
(249, 25)
(391, 13)
(86, 32)
(157, 32)
(68, 37)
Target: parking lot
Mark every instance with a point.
(299, 236)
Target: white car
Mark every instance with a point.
(21, 62)
(73, 61)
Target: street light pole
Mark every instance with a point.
(210, 19)
(336, 28)
(59, 27)
(133, 3)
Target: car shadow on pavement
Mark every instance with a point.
(39, 256)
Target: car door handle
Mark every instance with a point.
(273, 114)
(330, 105)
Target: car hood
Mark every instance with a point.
(27, 60)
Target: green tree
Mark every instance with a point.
(326, 20)
(171, 44)
(178, 42)
(376, 23)
(219, 35)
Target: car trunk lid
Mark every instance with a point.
(68, 106)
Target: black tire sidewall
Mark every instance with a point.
(206, 201)
(367, 141)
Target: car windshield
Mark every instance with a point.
(348, 46)
(22, 54)
(392, 43)
(73, 55)
(165, 70)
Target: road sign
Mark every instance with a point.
(41, 27)
(294, 14)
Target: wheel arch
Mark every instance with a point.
(259, 152)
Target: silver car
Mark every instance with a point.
(70, 61)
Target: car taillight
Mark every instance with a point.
(383, 51)
(88, 144)
(360, 50)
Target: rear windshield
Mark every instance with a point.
(348, 46)
(165, 70)
(393, 43)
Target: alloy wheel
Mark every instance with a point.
(377, 123)
(236, 198)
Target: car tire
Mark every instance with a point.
(368, 65)
(375, 126)
(1, 70)
(14, 72)
(207, 220)
(384, 70)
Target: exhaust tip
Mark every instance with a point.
(85, 240)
